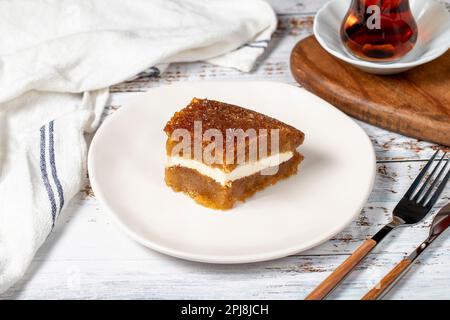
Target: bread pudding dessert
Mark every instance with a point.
(219, 154)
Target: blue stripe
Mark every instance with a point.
(254, 46)
(258, 41)
(259, 44)
(51, 146)
(43, 167)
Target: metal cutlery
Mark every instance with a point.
(412, 208)
(440, 223)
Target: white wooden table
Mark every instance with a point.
(86, 256)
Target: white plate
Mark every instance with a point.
(126, 169)
(433, 23)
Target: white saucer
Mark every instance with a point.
(433, 22)
(126, 169)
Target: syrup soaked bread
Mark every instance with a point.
(221, 184)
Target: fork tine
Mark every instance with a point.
(430, 189)
(417, 196)
(440, 188)
(416, 182)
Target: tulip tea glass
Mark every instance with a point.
(379, 30)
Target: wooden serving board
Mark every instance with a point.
(415, 103)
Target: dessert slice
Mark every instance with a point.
(219, 153)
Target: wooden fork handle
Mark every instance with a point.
(342, 271)
(388, 280)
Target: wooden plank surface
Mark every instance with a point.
(86, 256)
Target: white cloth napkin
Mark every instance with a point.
(57, 60)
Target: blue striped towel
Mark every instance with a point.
(57, 60)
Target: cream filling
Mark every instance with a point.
(239, 172)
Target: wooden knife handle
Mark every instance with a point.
(388, 280)
(342, 271)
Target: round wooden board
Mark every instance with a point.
(415, 103)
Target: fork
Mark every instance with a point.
(412, 208)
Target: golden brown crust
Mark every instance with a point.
(212, 194)
(222, 116)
